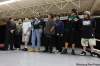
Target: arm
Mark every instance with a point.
(13, 27)
(52, 29)
(94, 24)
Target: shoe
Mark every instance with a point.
(37, 50)
(83, 53)
(12, 49)
(31, 50)
(45, 51)
(73, 52)
(25, 49)
(98, 55)
(56, 52)
(17, 49)
(64, 51)
(94, 54)
(51, 52)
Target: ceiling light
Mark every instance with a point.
(9, 1)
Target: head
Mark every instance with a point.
(87, 15)
(57, 17)
(87, 12)
(20, 21)
(12, 20)
(50, 16)
(26, 19)
(74, 12)
(81, 15)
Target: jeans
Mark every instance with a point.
(36, 38)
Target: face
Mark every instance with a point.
(72, 14)
(55, 19)
(85, 16)
(20, 20)
(12, 20)
(26, 19)
(49, 17)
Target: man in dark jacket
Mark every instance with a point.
(49, 34)
(10, 29)
(59, 31)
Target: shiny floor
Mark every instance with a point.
(21, 58)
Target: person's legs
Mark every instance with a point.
(15, 41)
(7, 38)
(18, 42)
(73, 41)
(73, 49)
(46, 44)
(11, 41)
(64, 50)
(23, 37)
(26, 39)
(59, 42)
(33, 40)
(38, 36)
(92, 43)
(84, 43)
(66, 40)
(51, 43)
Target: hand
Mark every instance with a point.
(61, 34)
(24, 34)
(12, 31)
(57, 34)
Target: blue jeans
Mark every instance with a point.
(36, 38)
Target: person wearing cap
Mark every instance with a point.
(88, 25)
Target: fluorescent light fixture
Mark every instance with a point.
(9, 1)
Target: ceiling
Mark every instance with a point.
(28, 8)
(3, 0)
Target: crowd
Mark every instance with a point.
(52, 33)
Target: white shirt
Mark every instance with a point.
(26, 26)
(86, 23)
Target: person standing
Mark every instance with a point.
(59, 32)
(10, 29)
(36, 35)
(49, 34)
(88, 25)
(71, 31)
(26, 31)
(18, 33)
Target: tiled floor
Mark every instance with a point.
(20, 58)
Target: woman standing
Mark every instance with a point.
(36, 35)
(18, 33)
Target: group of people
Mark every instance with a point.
(52, 33)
